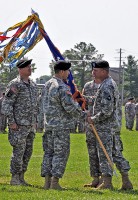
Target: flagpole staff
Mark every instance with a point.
(103, 148)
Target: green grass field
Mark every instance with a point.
(76, 174)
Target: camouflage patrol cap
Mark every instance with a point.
(100, 64)
(62, 65)
(23, 63)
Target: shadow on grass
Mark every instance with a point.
(100, 192)
(29, 188)
(82, 190)
(24, 187)
(126, 191)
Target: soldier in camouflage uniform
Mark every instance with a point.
(59, 112)
(130, 113)
(89, 91)
(102, 118)
(20, 107)
(122, 164)
(3, 119)
(136, 111)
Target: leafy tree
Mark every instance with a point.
(81, 57)
(6, 75)
(131, 77)
(43, 79)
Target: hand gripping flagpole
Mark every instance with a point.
(103, 148)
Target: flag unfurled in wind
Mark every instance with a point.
(26, 35)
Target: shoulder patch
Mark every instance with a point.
(11, 91)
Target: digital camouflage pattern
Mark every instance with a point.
(20, 107)
(103, 116)
(89, 91)
(81, 126)
(58, 99)
(59, 112)
(20, 102)
(129, 115)
(40, 116)
(56, 153)
(22, 143)
(121, 163)
(3, 119)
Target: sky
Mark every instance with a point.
(109, 25)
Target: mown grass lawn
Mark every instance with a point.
(76, 174)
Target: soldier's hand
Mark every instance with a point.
(13, 126)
